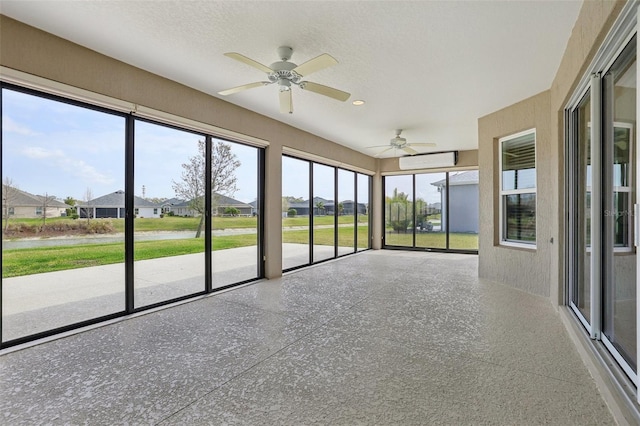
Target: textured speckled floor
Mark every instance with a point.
(381, 338)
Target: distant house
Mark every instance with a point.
(301, 207)
(112, 206)
(170, 204)
(21, 204)
(221, 202)
(254, 207)
(463, 201)
(322, 207)
(348, 208)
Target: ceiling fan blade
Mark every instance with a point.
(325, 90)
(316, 64)
(409, 150)
(421, 144)
(243, 87)
(249, 61)
(383, 151)
(286, 106)
(378, 146)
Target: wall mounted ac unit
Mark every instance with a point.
(429, 161)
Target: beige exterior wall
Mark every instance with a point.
(538, 271)
(35, 52)
(29, 212)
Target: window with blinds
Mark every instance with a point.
(518, 188)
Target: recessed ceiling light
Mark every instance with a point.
(358, 102)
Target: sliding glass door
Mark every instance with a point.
(603, 208)
(619, 197)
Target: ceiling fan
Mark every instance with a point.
(286, 74)
(400, 143)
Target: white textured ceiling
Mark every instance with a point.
(429, 67)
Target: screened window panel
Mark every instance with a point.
(519, 163)
(520, 217)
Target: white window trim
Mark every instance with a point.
(503, 241)
(628, 248)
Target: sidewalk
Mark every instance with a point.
(35, 303)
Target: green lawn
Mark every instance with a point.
(325, 236)
(48, 259)
(175, 223)
(19, 262)
(460, 241)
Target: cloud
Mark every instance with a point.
(11, 126)
(38, 153)
(75, 167)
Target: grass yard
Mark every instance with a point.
(48, 259)
(324, 236)
(18, 262)
(175, 223)
(459, 241)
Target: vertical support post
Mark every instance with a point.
(335, 212)
(208, 235)
(260, 219)
(129, 209)
(596, 206)
(311, 215)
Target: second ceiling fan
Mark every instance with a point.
(400, 143)
(287, 74)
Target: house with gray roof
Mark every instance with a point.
(345, 208)
(464, 201)
(220, 204)
(112, 206)
(21, 204)
(322, 207)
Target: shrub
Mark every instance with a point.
(100, 227)
(292, 212)
(231, 211)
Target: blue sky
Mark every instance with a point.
(424, 189)
(60, 149)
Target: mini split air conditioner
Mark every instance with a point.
(429, 161)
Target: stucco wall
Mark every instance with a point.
(30, 50)
(538, 271)
(524, 268)
(22, 212)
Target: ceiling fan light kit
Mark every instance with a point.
(285, 73)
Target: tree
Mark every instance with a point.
(10, 194)
(70, 201)
(319, 207)
(399, 211)
(46, 201)
(340, 208)
(223, 179)
(88, 196)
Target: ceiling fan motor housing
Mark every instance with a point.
(398, 142)
(283, 74)
(285, 52)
